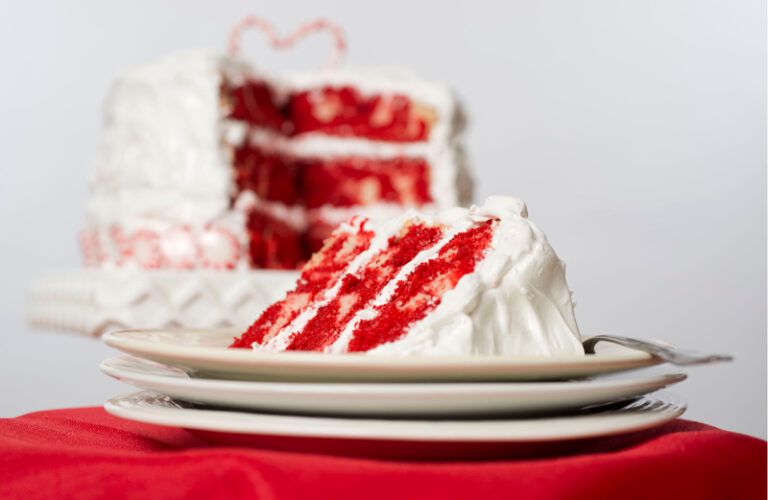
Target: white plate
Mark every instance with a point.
(414, 399)
(206, 351)
(643, 413)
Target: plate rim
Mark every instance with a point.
(120, 340)
(169, 417)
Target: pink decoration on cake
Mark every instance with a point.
(144, 248)
(179, 248)
(91, 249)
(122, 243)
(340, 44)
(217, 248)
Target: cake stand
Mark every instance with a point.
(91, 302)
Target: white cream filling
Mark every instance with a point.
(294, 216)
(379, 242)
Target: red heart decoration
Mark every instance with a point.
(278, 42)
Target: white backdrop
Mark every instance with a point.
(634, 130)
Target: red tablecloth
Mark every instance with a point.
(86, 453)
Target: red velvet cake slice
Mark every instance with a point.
(482, 280)
(319, 274)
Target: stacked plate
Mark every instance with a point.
(191, 379)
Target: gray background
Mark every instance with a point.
(634, 130)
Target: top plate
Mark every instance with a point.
(206, 352)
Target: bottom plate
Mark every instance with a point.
(640, 414)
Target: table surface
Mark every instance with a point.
(86, 453)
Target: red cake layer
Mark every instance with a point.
(343, 111)
(272, 177)
(350, 181)
(255, 103)
(317, 232)
(360, 288)
(319, 274)
(340, 182)
(340, 111)
(423, 290)
(273, 244)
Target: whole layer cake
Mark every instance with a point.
(482, 280)
(210, 163)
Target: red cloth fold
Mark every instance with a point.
(86, 453)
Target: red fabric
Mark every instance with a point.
(85, 453)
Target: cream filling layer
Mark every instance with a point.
(379, 242)
(369, 310)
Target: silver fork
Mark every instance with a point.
(669, 353)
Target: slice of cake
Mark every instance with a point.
(482, 280)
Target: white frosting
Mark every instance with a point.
(160, 156)
(516, 302)
(293, 215)
(375, 212)
(162, 164)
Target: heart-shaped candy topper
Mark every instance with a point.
(277, 42)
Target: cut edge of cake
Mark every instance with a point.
(152, 206)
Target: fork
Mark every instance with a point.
(667, 352)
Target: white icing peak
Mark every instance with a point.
(516, 302)
(503, 206)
